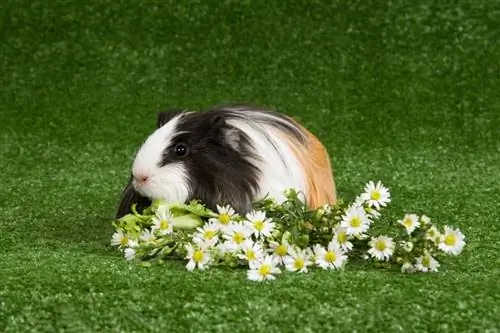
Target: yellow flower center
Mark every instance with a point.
(375, 195)
(298, 263)
(264, 269)
(198, 256)
(450, 240)
(259, 225)
(355, 222)
(380, 245)
(124, 241)
(251, 255)
(164, 224)
(281, 250)
(407, 222)
(209, 234)
(224, 218)
(426, 261)
(238, 238)
(342, 237)
(330, 256)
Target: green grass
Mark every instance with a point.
(404, 93)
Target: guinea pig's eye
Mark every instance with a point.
(180, 150)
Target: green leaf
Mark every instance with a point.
(188, 221)
(194, 207)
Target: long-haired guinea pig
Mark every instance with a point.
(228, 155)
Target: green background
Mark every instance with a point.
(400, 92)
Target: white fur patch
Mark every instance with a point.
(280, 168)
(169, 182)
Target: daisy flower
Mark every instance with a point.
(297, 260)
(162, 222)
(236, 234)
(359, 201)
(376, 195)
(452, 241)
(260, 224)
(119, 239)
(433, 235)
(129, 253)
(279, 250)
(407, 246)
(427, 263)
(226, 215)
(407, 268)
(198, 257)
(381, 247)
(410, 222)
(331, 257)
(355, 221)
(424, 220)
(147, 236)
(252, 253)
(340, 236)
(373, 213)
(327, 208)
(132, 243)
(207, 234)
(264, 270)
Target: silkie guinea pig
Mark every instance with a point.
(228, 155)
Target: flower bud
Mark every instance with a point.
(287, 237)
(407, 246)
(425, 220)
(303, 240)
(407, 268)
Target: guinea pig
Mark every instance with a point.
(228, 155)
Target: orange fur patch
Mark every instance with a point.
(316, 163)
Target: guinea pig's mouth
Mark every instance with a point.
(161, 189)
(142, 188)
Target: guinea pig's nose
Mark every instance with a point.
(141, 178)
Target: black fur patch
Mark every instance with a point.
(164, 117)
(219, 170)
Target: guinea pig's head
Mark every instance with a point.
(197, 155)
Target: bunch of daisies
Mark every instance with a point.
(287, 236)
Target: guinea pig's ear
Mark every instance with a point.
(164, 117)
(231, 135)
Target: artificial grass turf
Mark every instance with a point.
(400, 92)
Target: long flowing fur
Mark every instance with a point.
(291, 156)
(240, 154)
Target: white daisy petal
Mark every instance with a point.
(452, 241)
(410, 222)
(355, 221)
(236, 234)
(376, 195)
(163, 222)
(198, 257)
(260, 224)
(381, 247)
(297, 260)
(427, 263)
(265, 269)
(252, 253)
(331, 257)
